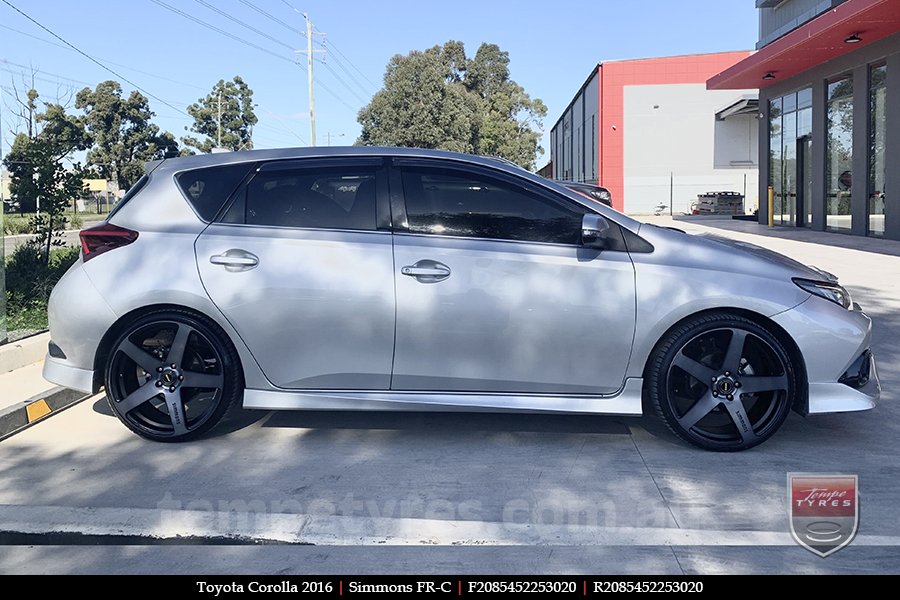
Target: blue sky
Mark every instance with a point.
(552, 46)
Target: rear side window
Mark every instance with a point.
(327, 198)
(208, 189)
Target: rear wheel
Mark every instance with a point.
(722, 382)
(172, 376)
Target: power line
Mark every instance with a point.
(273, 18)
(106, 60)
(350, 62)
(91, 58)
(242, 24)
(220, 31)
(350, 75)
(3, 61)
(344, 83)
(285, 125)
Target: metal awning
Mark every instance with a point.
(822, 39)
(747, 105)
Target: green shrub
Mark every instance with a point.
(74, 221)
(29, 279)
(16, 225)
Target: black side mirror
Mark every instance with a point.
(594, 231)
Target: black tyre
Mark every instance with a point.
(172, 376)
(721, 382)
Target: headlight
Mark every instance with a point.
(826, 289)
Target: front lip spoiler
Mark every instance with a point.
(835, 397)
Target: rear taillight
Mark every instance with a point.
(104, 237)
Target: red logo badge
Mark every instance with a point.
(824, 510)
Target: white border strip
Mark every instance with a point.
(341, 531)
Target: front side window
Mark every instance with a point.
(454, 203)
(320, 198)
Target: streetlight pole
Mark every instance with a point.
(337, 135)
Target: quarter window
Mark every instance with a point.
(327, 198)
(208, 189)
(452, 203)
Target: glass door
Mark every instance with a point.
(804, 180)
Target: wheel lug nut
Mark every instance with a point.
(727, 373)
(715, 394)
(172, 389)
(181, 378)
(729, 397)
(714, 379)
(159, 369)
(159, 384)
(173, 366)
(737, 384)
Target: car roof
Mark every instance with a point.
(172, 166)
(197, 161)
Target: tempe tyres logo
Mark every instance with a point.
(824, 510)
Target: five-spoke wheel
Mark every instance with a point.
(722, 382)
(172, 375)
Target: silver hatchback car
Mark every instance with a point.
(399, 279)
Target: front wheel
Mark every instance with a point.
(722, 382)
(172, 376)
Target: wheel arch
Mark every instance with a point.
(801, 402)
(120, 324)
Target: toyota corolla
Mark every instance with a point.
(399, 279)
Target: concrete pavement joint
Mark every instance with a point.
(333, 530)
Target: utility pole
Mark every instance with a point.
(219, 123)
(309, 75)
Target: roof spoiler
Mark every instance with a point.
(151, 165)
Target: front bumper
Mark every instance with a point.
(843, 397)
(835, 344)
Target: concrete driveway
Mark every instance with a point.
(476, 493)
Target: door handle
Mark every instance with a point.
(427, 271)
(235, 260)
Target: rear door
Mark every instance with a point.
(301, 264)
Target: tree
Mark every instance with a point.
(123, 136)
(46, 180)
(511, 120)
(25, 109)
(441, 99)
(21, 183)
(225, 116)
(51, 136)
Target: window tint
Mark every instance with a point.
(208, 189)
(448, 202)
(332, 198)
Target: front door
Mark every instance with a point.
(496, 294)
(302, 271)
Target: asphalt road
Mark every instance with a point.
(11, 242)
(462, 493)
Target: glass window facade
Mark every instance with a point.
(877, 165)
(838, 154)
(790, 125)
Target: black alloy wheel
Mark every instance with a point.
(172, 376)
(722, 382)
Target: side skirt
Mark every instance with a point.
(626, 402)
